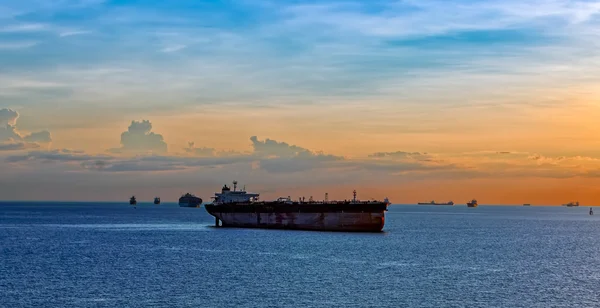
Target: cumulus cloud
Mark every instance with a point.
(12, 139)
(269, 155)
(274, 149)
(8, 117)
(41, 137)
(9, 133)
(139, 138)
(275, 156)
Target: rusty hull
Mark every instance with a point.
(350, 217)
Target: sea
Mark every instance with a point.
(70, 254)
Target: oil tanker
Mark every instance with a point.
(238, 208)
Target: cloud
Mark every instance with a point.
(73, 33)
(273, 148)
(17, 146)
(275, 156)
(17, 45)
(8, 117)
(278, 157)
(64, 156)
(162, 163)
(19, 28)
(173, 48)
(130, 166)
(269, 155)
(139, 138)
(431, 17)
(41, 137)
(203, 151)
(417, 156)
(354, 48)
(11, 138)
(402, 167)
(9, 134)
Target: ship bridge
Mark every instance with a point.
(234, 196)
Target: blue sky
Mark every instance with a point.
(350, 78)
(284, 51)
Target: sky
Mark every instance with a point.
(497, 100)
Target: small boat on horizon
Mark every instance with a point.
(526, 204)
(156, 200)
(572, 204)
(473, 203)
(436, 203)
(132, 200)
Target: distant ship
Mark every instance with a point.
(189, 200)
(238, 208)
(132, 200)
(435, 203)
(473, 203)
(157, 200)
(571, 204)
(526, 204)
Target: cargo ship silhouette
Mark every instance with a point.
(473, 203)
(436, 203)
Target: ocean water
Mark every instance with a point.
(111, 255)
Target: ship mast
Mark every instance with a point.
(234, 185)
(354, 193)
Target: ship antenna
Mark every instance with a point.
(234, 185)
(354, 193)
(326, 197)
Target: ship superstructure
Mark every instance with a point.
(473, 203)
(234, 196)
(238, 208)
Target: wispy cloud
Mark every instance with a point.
(431, 17)
(73, 33)
(17, 45)
(28, 27)
(173, 48)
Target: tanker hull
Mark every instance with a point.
(357, 218)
